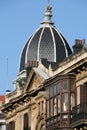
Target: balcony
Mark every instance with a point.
(60, 121)
(79, 116)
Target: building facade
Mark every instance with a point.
(2, 115)
(47, 61)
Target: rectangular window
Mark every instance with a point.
(65, 101)
(51, 91)
(58, 88)
(55, 106)
(10, 126)
(83, 91)
(51, 107)
(55, 90)
(78, 95)
(72, 100)
(13, 125)
(58, 117)
(65, 86)
(47, 93)
(65, 116)
(26, 122)
(59, 104)
(72, 84)
(47, 109)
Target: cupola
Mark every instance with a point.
(45, 43)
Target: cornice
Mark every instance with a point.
(20, 100)
(71, 62)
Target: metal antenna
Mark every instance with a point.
(7, 87)
(7, 74)
(48, 2)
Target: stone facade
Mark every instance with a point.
(30, 101)
(2, 115)
(25, 107)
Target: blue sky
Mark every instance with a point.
(20, 18)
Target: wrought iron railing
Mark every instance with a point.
(79, 112)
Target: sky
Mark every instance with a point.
(20, 18)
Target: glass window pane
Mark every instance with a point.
(59, 105)
(72, 100)
(47, 123)
(55, 90)
(65, 86)
(59, 118)
(72, 85)
(51, 106)
(51, 91)
(47, 93)
(55, 119)
(55, 106)
(25, 122)
(51, 121)
(65, 102)
(47, 109)
(58, 88)
(65, 116)
(78, 95)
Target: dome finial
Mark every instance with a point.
(48, 15)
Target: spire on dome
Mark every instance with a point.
(48, 2)
(48, 15)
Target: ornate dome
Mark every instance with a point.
(46, 43)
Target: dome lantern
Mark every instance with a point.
(48, 15)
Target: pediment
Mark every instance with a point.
(35, 79)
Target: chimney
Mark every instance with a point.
(32, 64)
(79, 44)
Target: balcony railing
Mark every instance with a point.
(79, 113)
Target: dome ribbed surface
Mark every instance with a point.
(46, 43)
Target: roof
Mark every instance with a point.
(45, 43)
(41, 72)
